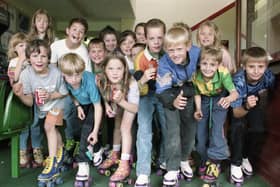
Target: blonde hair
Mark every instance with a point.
(14, 41)
(33, 33)
(215, 53)
(176, 35)
(256, 53)
(214, 27)
(71, 63)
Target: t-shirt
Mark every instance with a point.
(221, 80)
(245, 89)
(133, 93)
(87, 93)
(59, 48)
(52, 82)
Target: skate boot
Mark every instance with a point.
(247, 167)
(83, 178)
(60, 159)
(121, 175)
(186, 171)
(50, 175)
(161, 169)
(107, 166)
(24, 161)
(236, 175)
(69, 151)
(170, 179)
(212, 172)
(142, 181)
(98, 157)
(201, 171)
(38, 158)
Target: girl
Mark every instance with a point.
(126, 42)
(208, 34)
(42, 26)
(121, 95)
(110, 38)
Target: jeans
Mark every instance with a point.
(211, 142)
(35, 131)
(147, 106)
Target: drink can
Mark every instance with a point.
(38, 100)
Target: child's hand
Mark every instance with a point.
(81, 114)
(149, 74)
(180, 102)
(252, 101)
(224, 102)
(198, 115)
(17, 89)
(109, 111)
(44, 95)
(92, 138)
(118, 95)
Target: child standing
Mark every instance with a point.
(75, 31)
(81, 85)
(140, 33)
(146, 64)
(47, 91)
(208, 34)
(121, 96)
(248, 123)
(177, 95)
(212, 83)
(110, 38)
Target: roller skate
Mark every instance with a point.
(24, 161)
(247, 167)
(97, 157)
(109, 164)
(212, 173)
(50, 175)
(38, 158)
(142, 181)
(121, 175)
(60, 159)
(236, 175)
(161, 169)
(83, 178)
(201, 171)
(186, 171)
(170, 179)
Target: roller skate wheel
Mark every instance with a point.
(112, 184)
(88, 182)
(205, 185)
(130, 181)
(119, 184)
(50, 184)
(78, 184)
(59, 180)
(41, 184)
(107, 173)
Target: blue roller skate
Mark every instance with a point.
(60, 160)
(50, 175)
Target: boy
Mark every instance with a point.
(247, 126)
(81, 85)
(146, 64)
(44, 84)
(75, 31)
(175, 91)
(212, 84)
(97, 54)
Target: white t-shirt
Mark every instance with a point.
(59, 48)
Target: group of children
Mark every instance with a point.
(187, 90)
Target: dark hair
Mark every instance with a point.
(94, 41)
(139, 45)
(154, 23)
(126, 33)
(82, 21)
(108, 30)
(141, 24)
(34, 46)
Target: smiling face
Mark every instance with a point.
(177, 52)
(255, 68)
(75, 33)
(208, 66)
(140, 34)
(127, 45)
(206, 36)
(39, 60)
(114, 70)
(110, 41)
(97, 53)
(41, 23)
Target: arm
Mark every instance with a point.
(27, 99)
(225, 101)
(93, 136)
(198, 113)
(241, 111)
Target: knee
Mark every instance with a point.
(49, 127)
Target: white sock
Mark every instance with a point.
(125, 156)
(117, 147)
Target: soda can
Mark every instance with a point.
(38, 100)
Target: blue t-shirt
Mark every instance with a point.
(88, 91)
(245, 89)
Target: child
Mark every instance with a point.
(208, 34)
(75, 31)
(136, 49)
(212, 83)
(121, 96)
(248, 123)
(146, 64)
(126, 41)
(110, 38)
(175, 91)
(97, 53)
(140, 33)
(44, 85)
(42, 27)
(81, 85)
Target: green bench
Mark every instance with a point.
(14, 117)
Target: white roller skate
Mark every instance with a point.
(236, 175)
(83, 178)
(247, 167)
(170, 179)
(186, 170)
(142, 181)
(98, 157)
